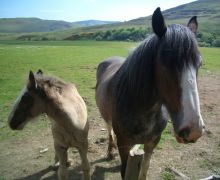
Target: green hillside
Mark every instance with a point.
(208, 12)
(87, 23)
(22, 25)
(28, 25)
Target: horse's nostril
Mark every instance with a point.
(184, 133)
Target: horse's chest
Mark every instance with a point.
(138, 129)
(141, 129)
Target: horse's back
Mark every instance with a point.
(105, 72)
(108, 67)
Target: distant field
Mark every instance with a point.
(211, 59)
(73, 61)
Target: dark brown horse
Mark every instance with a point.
(159, 78)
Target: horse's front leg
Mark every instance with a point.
(61, 153)
(123, 148)
(145, 165)
(112, 142)
(148, 150)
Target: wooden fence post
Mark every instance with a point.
(134, 163)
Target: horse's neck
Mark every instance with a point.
(144, 101)
(69, 112)
(61, 121)
(55, 111)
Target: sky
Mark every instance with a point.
(77, 10)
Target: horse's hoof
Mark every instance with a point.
(111, 156)
(55, 166)
(69, 163)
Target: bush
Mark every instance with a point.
(216, 43)
(134, 34)
(98, 38)
(204, 44)
(129, 34)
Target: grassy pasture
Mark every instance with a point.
(73, 61)
(76, 62)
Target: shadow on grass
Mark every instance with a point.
(75, 173)
(99, 172)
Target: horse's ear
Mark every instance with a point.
(40, 72)
(158, 24)
(193, 24)
(31, 82)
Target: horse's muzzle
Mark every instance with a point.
(187, 135)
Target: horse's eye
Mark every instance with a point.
(25, 96)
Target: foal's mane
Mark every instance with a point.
(134, 82)
(50, 81)
(49, 86)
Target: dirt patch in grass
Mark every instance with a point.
(20, 158)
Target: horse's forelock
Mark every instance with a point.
(178, 48)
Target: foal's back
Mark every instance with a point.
(70, 114)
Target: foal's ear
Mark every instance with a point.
(193, 24)
(158, 24)
(31, 82)
(40, 72)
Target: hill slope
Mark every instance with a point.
(87, 23)
(208, 12)
(22, 25)
(27, 25)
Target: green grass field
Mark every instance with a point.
(73, 61)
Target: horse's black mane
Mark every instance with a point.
(134, 87)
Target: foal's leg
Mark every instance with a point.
(61, 153)
(83, 150)
(57, 163)
(111, 143)
(148, 150)
(56, 159)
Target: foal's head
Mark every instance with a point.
(29, 104)
(177, 64)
